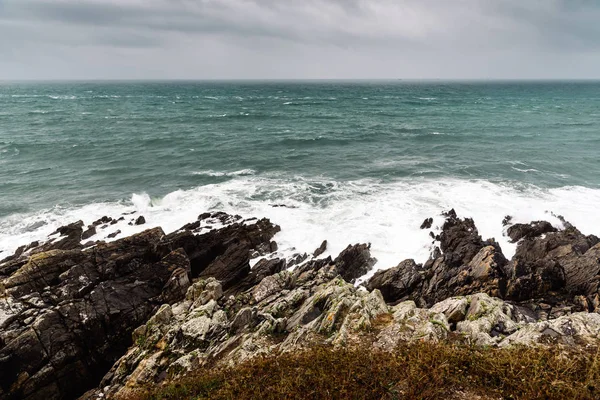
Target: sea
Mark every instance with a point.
(347, 161)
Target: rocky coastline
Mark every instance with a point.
(97, 320)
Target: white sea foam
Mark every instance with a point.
(210, 172)
(388, 215)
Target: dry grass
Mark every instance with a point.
(413, 371)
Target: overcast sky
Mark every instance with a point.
(304, 39)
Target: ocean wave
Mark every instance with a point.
(241, 172)
(525, 169)
(62, 97)
(319, 140)
(386, 214)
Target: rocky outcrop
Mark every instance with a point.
(556, 266)
(290, 311)
(534, 229)
(463, 264)
(67, 314)
(354, 262)
(151, 307)
(553, 273)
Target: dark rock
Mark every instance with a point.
(282, 206)
(191, 226)
(101, 221)
(204, 216)
(563, 263)
(398, 283)
(464, 264)
(140, 220)
(114, 234)
(224, 253)
(507, 220)
(427, 223)
(297, 259)
(321, 249)
(68, 230)
(72, 312)
(517, 232)
(354, 262)
(91, 231)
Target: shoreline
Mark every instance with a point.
(212, 291)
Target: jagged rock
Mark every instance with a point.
(488, 320)
(88, 233)
(454, 308)
(398, 283)
(181, 301)
(321, 249)
(114, 234)
(563, 263)
(464, 264)
(67, 315)
(103, 220)
(140, 220)
(517, 232)
(75, 314)
(574, 329)
(354, 262)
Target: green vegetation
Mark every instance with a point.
(422, 370)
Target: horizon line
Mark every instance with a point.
(413, 80)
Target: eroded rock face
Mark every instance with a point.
(559, 264)
(354, 262)
(553, 273)
(293, 310)
(463, 264)
(67, 314)
(161, 305)
(517, 232)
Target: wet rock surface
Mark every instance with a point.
(143, 309)
(67, 314)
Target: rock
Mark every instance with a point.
(464, 264)
(242, 319)
(354, 262)
(427, 223)
(454, 308)
(157, 306)
(321, 249)
(140, 220)
(101, 221)
(571, 330)
(91, 231)
(560, 265)
(73, 312)
(398, 283)
(114, 234)
(517, 232)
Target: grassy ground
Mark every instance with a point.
(413, 371)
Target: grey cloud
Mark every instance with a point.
(306, 39)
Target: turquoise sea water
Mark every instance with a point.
(329, 149)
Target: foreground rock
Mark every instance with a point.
(313, 305)
(152, 307)
(67, 314)
(553, 272)
(463, 264)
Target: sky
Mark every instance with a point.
(299, 39)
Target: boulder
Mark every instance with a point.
(354, 262)
(517, 232)
(398, 283)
